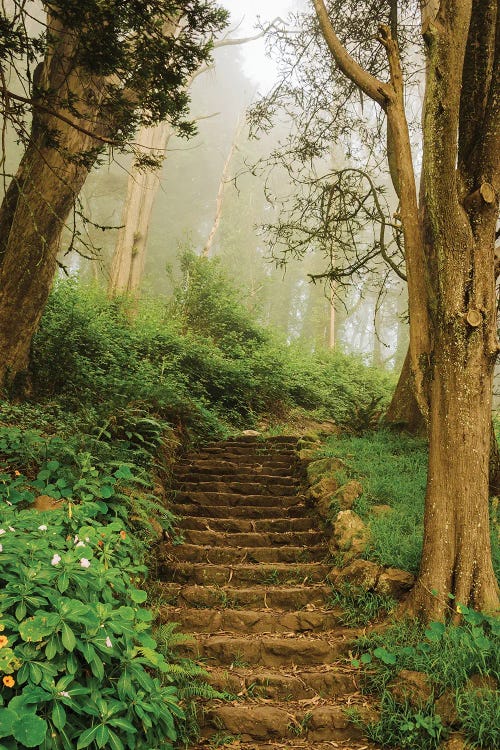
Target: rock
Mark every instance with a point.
(481, 682)
(307, 454)
(251, 433)
(348, 493)
(446, 708)
(46, 502)
(394, 582)
(324, 508)
(326, 487)
(414, 687)
(360, 573)
(381, 510)
(324, 467)
(455, 742)
(350, 534)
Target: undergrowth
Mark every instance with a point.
(459, 661)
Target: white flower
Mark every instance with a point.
(80, 544)
(55, 560)
(42, 527)
(108, 642)
(1, 547)
(87, 539)
(64, 694)
(85, 563)
(2, 531)
(11, 529)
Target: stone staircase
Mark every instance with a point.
(249, 583)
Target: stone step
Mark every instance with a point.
(243, 525)
(253, 539)
(236, 477)
(285, 598)
(242, 511)
(269, 574)
(220, 555)
(269, 650)
(247, 453)
(251, 621)
(230, 499)
(261, 722)
(331, 681)
(266, 444)
(241, 488)
(274, 469)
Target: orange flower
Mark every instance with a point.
(3, 641)
(9, 681)
(17, 473)
(123, 534)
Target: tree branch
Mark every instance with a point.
(377, 90)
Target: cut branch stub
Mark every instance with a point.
(485, 194)
(474, 317)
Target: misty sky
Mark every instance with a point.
(244, 14)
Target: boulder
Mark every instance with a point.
(455, 742)
(307, 454)
(348, 493)
(394, 582)
(324, 487)
(350, 535)
(324, 467)
(251, 433)
(446, 708)
(415, 687)
(359, 573)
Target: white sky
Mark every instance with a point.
(244, 14)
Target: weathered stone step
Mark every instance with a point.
(219, 555)
(270, 574)
(262, 722)
(242, 511)
(253, 539)
(282, 441)
(278, 684)
(248, 454)
(268, 650)
(237, 477)
(242, 488)
(242, 525)
(230, 499)
(285, 598)
(251, 621)
(274, 468)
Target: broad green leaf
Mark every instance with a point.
(30, 730)
(58, 715)
(138, 596)
(68, 637)
(102, 735)
(87, 737)
(7, 719)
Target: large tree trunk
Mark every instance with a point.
(127, 265)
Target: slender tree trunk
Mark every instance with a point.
(332, 332)
(403, 412)
(127, 265)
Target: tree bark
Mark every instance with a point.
(127, 265)
(403, 412)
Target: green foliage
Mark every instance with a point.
(402, 726)
(479, 712)
(360, 607)
(450, 655)
(88, 667)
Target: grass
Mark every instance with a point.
(360, 607)
(393, 471)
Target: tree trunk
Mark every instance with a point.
(31, 221)
(456, 556)
(127, 265)
(403, 412)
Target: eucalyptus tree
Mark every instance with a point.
(445, 231)
(77, 79)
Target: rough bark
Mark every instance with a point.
(403, 412)
(449, 245)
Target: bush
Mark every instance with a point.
(87, 667)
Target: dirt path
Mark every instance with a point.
(249, 582)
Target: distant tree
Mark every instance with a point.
(79, 79)
(447, 236)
